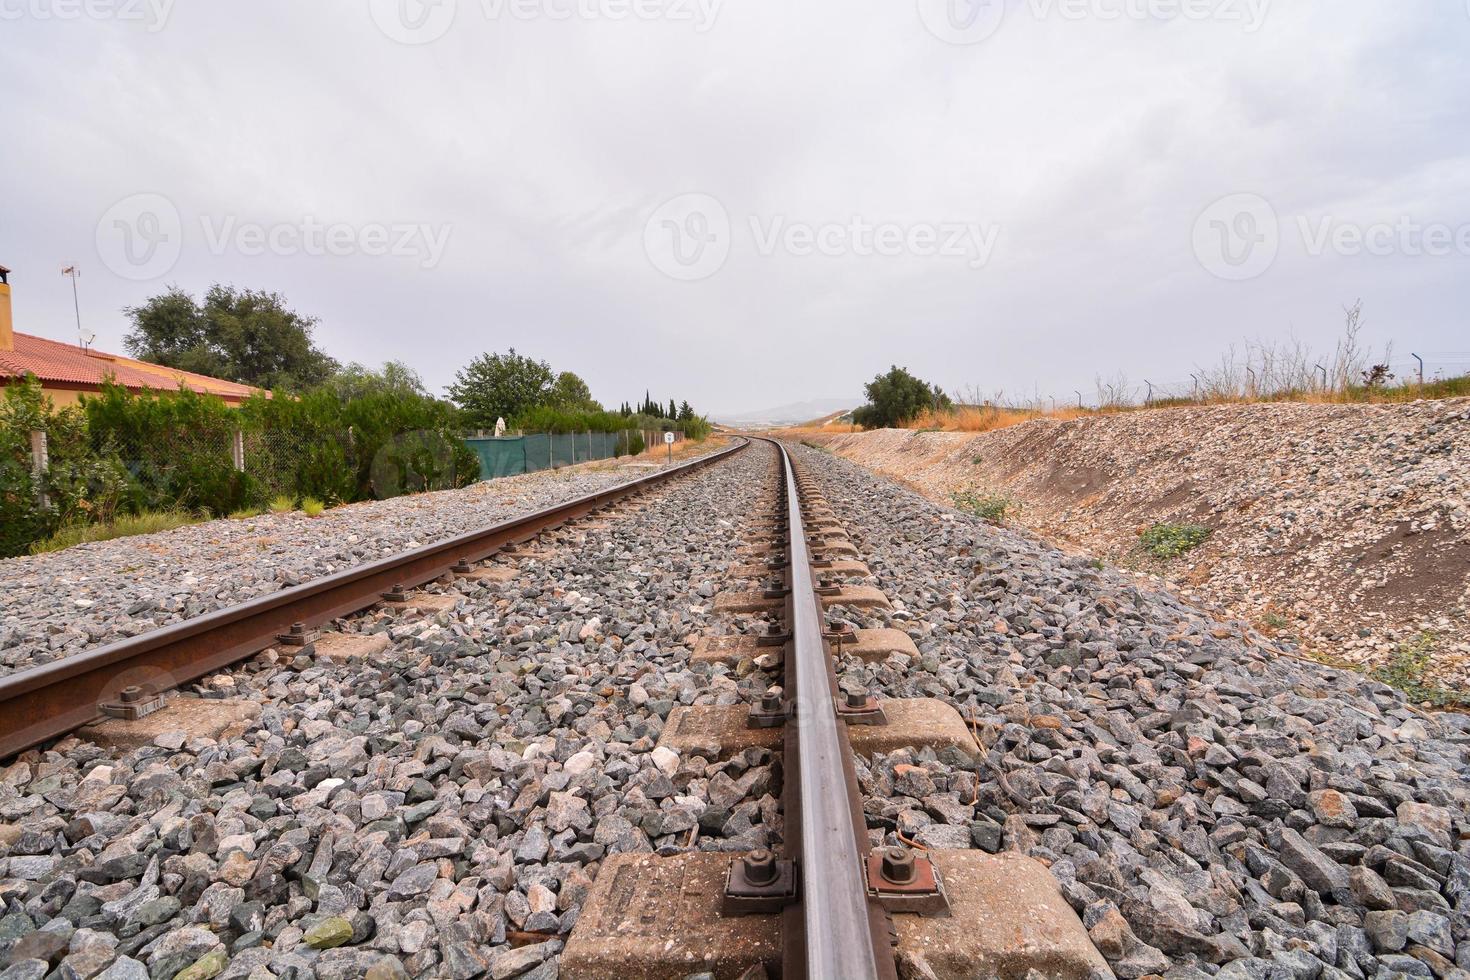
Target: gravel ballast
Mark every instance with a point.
(1209, 805)
(62, 603)
(412, 815)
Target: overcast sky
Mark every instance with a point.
(752, 202)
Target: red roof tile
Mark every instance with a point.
(59, 364)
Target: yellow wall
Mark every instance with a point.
(7, 328)
(63, 397)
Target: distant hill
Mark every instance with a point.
(793, 414)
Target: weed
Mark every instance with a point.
(1275, 620)
(1172, 540)
(1406, 671)
(311, 507)
(147, 522)
(1098, 564)
(282, 504)
(813, 445)
(992, 508)
(244, 513)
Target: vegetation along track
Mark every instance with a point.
(589, 759)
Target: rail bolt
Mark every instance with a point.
(897, 865)
(298, 629)
(760, 867)
(771, 701)
(130, 694)
(857, 699)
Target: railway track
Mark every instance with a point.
(597, 764)
(131, 676)
(836, 901)
(827, 902)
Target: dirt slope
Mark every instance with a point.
(1347, 526)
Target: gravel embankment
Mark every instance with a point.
(404, 816)
(1345, 527)
(59, 604)
(1205, 801)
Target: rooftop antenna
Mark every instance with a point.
(73, 272)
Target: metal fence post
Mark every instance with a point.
(237, 451)
(40, 463)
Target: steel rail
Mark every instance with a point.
(45, 702)
(842, 934)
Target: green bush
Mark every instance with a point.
(1408, 671)
(993, 508)
(545, 418)
(124, 453)
(898, 397)
(1172, 540)
(175, 447)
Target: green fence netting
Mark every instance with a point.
(510, 455)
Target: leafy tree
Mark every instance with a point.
(571, 394)
(897, 397)
(501, 386)
(686, 412)
(249, 336)
(394, 378)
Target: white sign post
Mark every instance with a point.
(669, 441)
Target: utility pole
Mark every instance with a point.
(73, 272)
(1195, 378)
(1421, 368)
(1079, 397)
(1149, 398)
(1252, 390)
(1324, 376)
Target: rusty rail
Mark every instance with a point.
(50, 700)
(835, 929)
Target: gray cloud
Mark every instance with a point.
(1091, 145)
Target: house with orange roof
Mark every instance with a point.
(67, 372)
